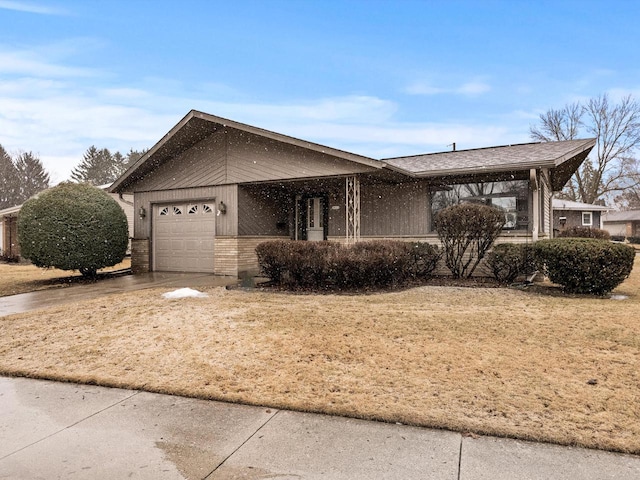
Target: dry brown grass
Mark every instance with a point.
(485, 360)
(18, 278)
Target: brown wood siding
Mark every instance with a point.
(394, 209)
(252, 158)
(264, 210)
(202, 165)
(226, 224)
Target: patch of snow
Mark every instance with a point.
(184, 293)
(619, 297)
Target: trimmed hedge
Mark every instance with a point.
(584, 232)
(582, 265)
(326, 265)
(508, 261)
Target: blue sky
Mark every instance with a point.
(378, 78)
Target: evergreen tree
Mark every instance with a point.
(97, 167)
(32, 177)
(9, 181)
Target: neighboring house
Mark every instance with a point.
(626, 223)
(568, 214)
(9, 245)
(212, 189)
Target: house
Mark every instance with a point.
(568, 214)
(624, 224)
(212, 189)
(9, 245)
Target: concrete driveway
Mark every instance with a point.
(52, 430)
(121, 283)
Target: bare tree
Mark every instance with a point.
(556, 125)
(611, 168)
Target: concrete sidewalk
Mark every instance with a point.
(122, 283)
(57, 430)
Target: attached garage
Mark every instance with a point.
(184, 237)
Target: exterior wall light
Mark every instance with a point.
(142, 212)
(222, 208)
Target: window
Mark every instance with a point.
(587, 219)
(512, 197)
(207, 209)
(177, 210)
(164, 211)
(193, 209)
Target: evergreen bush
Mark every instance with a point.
(508, 261)
(584, 265)
(73, 227)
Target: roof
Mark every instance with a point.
(493, 159)
(10, 210)
(562, 158)
(624, 216)
(561, 204)
(196, 126)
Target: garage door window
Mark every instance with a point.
(164, 211)
(207, 209)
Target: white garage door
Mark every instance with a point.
(184, 237)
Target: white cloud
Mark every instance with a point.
(469, 89)
(58, 111)
(30, 7)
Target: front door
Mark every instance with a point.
(315, 219)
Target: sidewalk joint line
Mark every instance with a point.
(460, 457)
(241, 445)
(71, 425)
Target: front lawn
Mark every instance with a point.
(484, 360)
(23, 277)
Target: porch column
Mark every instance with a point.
(533, 181)
(353, 209)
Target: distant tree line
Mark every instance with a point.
(23, 175)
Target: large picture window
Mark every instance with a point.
(512, 197)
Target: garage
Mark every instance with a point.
(184, 237)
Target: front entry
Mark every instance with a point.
(311, 218)
(315, 219)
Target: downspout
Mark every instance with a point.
(123, 200)
(535, 190)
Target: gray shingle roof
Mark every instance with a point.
(561, 204)
(625, 216)
(492, 159)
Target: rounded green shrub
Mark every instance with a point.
(583, 265)
(584, 232)
(507, 261)
(73, 227)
